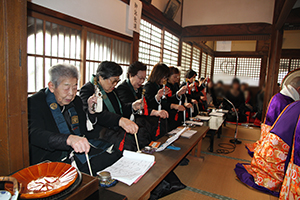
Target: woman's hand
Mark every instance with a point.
(177, 107)
(161, 92)
(194, 101)
(137, 104)
(182, 91)
(188, 105)
(160, 113)
(91, 102)
(128, 125)
(203, 98)
(79, 144)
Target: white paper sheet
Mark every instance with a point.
(188, 133)
(194, 123)
(203, 118)
(218, 114)
(130, 167)
(171, 140)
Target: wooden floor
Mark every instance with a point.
(214, 178)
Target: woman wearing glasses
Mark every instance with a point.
(131, 89)
(113, 114)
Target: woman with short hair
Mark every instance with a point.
(57, 124)
(114, 114)
(131, 89)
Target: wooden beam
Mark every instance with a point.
(228, 30)
(290, 53)
(13, 86)
(249, 54)
(227, 38)
(287, 7)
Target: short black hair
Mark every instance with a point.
(107, 69)
(190, 73)
(202, 79)
(235, 81)
(135, 67)
(220, 82)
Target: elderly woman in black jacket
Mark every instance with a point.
(57, 123)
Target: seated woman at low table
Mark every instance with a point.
(113, 118)
(57, 123)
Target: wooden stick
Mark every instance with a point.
(137, 143)
(89, 164)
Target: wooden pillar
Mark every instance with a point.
(13, 86)
(262, 77)
(273, 67)
(274, 56)
(135, 47)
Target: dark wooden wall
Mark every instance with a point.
(13, 86)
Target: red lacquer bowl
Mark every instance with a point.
(45, 179)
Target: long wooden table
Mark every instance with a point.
(166, 161)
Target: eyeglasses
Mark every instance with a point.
(141, 78)
(115, 81)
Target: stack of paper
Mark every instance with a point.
(222, 110)
(188, 133)
(203, 118)
(131, 167)
(218, 114)
(194, 123)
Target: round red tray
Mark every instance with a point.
(45, 179)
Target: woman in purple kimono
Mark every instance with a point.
(288, 94)
(267, 169)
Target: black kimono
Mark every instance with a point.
(109, 121)
(175, 118)
(45, 140)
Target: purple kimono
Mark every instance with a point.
(267, 168)
(277, 103)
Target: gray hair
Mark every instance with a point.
(58, 71)
(295, 82)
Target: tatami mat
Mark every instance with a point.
(214, 178)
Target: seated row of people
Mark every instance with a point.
(103, 118)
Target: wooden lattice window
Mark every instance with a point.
(246, 69)
(203, 65)
(208, 66)
(185, 59)
(102, 48)
(283, 68)
(170, 50)
(286, 65)
(49, 43)
(196, 60)
(150, 45)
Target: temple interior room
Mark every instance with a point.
(150, 99)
